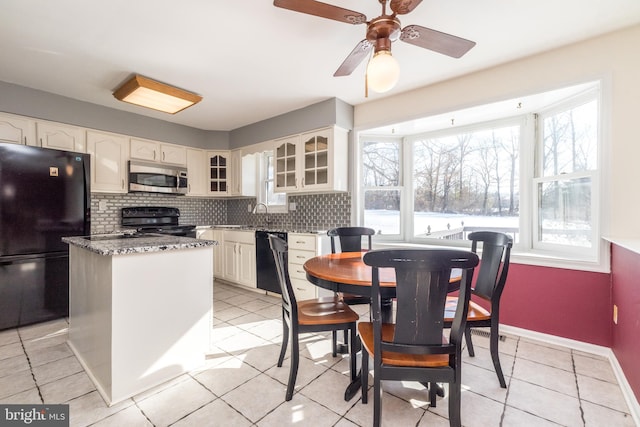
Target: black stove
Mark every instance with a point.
(155, 219)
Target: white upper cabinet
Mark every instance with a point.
(218, 176)
(61, 137)
(144, 149)
(286, 164)
(197, 172)
(312, 162)
(243, 174)
(109, 154)
(174, 154)
(17, 130)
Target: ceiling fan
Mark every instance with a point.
(381, 32)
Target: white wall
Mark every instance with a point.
(614, 58)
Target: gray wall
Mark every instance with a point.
(47, 106)
(322, 114)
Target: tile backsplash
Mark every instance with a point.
(313, 212)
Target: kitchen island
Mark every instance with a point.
(140, 309)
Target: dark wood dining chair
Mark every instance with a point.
(414, 347)
(316, 315)
(350, 240)
(489, 284)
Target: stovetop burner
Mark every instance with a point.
(155, 219)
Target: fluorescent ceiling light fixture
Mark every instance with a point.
(149, 93)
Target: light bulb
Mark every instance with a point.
(383, 71)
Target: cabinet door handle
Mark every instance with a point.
(25, 140)
(299, 241)
(299, 256)
(163, 156)
(123, 184)
(154, 154)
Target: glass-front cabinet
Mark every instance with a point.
(219, 176)
(285, 165)
(316, 159)
(312, 161)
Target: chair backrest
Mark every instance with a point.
(350, 238)
(494, 264)
(280, 251)
(422, 282)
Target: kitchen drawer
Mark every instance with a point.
(296, 271)
(303, 289)
(248, 237)
(305, 242)
(300, 257)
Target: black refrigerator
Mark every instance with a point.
(44, 196)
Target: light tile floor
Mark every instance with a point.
(241, 385)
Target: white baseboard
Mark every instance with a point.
(629, 396)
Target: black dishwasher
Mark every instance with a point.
(266, 275)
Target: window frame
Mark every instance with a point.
(557, 249)
(529, 164)
(263, 179)
(485, 125)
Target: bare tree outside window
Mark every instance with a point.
(569, 144)
(532, 175)
(381, 181)
(466, 180)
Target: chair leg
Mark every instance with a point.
(293, 372)
(433, 391)
(495, 357)
(334, 343)
(377, 396)
(467, 338)
(364, 375)
(352, 352)
(285, 341)
(454, 402)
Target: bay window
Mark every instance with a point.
(532, 175)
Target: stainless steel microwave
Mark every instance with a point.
(157, 178)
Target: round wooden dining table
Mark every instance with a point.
(346, 272)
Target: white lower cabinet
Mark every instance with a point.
(239, 249)
(218, 254)
(302, 247)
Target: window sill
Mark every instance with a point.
(525, 258)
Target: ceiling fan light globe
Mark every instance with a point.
(383, 72)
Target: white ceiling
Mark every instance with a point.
(252, 61)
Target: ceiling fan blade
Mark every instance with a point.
(354, 59)
(402, 7)
(322, 10)
(435, 40)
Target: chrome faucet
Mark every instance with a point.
(266, 213)
(266, 208)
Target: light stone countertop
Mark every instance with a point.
(110, 245)
(260, 228)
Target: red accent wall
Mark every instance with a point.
(567, 303)
(625, 269)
